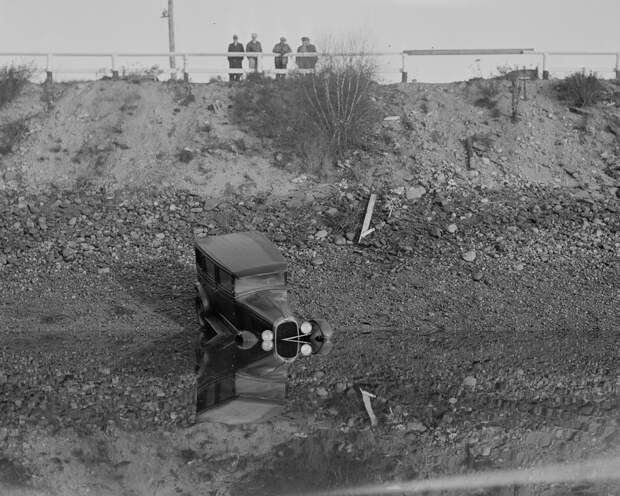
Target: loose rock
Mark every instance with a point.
(469, 256)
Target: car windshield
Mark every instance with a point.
(248, 284)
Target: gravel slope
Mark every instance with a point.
(490, 345)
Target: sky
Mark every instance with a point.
(385, 25)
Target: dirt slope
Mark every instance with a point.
(120, 134)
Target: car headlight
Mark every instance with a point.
(306, 327)
(267, 335)
(267, 345)
(306, 349)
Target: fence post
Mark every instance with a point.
(545, 72)
(185, 73)
(114, 68)
(403, 69)
(618, 66)
(49, 76)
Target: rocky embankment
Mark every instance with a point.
(81, 246)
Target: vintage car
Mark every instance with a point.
(249, 334)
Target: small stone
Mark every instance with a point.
(415, 193)
(42, 223)
(415, 426)
(173, 207)
(519, 267)
(340, 240)
(486, 161)
(160, 236)
(68, 254)
(451, 228)
(320, 235)
(317, 261)
(350, 236)
(341, 387)
(332, 211)
(469, 256)
(72, 221)
(469, 381)
(477, 275)
(103, 271)
(322, 392)
(196, 210)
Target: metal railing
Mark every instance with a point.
(112, 61)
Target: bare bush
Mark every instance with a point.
(581, 89)
(337, 101)
(322, 116)
(12, 80)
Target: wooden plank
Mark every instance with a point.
(365, 226)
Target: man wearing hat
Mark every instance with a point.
(306, 62)
(253, 46)
(235, 62)
(281, 49)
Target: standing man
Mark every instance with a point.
(281, 49)
(306, 62)
(235, 62)
(253, 46)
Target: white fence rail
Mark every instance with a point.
(113, 64)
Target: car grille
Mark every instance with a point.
(286, 349)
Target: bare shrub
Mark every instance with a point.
(337, 100)
(581, 89)
(321, 115)
(12, 80)
(338, 105)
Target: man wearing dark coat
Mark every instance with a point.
(306, 62)
(281, 62)
(235, 62)
(253, 46)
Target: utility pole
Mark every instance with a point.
(173, 64)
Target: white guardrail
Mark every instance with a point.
(112, 61)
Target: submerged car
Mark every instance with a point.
(249, 334)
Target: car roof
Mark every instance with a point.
(243, 253)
